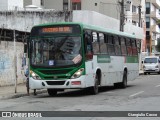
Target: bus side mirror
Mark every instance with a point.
(89, 56)
(142, 62)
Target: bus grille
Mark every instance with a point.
(49, 72)
(55, 82)
(54, 78)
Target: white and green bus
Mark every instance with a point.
(77, 56)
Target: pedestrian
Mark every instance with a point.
(27, 81)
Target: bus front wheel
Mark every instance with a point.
(94, 89)
(52, 92)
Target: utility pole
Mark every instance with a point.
(15, 61)
(15, 53)
(122, 15)
(139, 12)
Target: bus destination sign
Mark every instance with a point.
(65, 29)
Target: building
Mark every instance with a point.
(38, 3)
(152, 29)
(10, 4)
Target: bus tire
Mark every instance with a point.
(52, 92)
(94, 89)
(123, 84)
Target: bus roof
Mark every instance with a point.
(92, 27)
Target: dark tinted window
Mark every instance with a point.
(102, 41)
(95, 43)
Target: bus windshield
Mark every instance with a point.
(56, 51)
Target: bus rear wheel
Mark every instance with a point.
(52, 92)
(123, 84)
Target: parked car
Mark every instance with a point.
(151, 64)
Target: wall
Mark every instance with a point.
(7, 63)
(3, 4)
(53, 4)
(25, 20)
(95, 18)
(13, 3)
(27, 2)
(36, 2)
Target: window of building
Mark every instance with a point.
(134, 9)
(147, 7)
(147, 22)
(147, 33)
(76, 4)
(65, 5)
(134, 22)
(42, 2)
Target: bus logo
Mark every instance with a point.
(55, 77)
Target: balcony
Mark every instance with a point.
(155, 15)
(135, 17)
(156, 29)
(155, 3)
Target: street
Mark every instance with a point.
(141, 94)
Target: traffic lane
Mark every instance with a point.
(109, 99)
(145, 84)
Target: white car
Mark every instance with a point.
(151, 65)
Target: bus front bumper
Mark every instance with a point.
(57, 84)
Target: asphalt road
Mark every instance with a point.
(141, 94)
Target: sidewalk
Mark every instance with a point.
(141, 72)
(8, 92)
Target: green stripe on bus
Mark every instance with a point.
(132, 59)
(103, 59)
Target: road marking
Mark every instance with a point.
(157, 86)
(136, 94)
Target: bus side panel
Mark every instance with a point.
(90, 74)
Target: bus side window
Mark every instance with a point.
(134, 48)
(110, 45)
(102, 41)
(123, 46)
(138, 45)
(88, 45)
(128, 45)
(117, 45)
(95, 43)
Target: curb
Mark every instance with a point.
(18, 95)
(141, 73)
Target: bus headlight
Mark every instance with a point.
(34, 75)
(78, 73)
